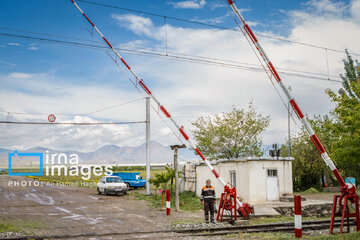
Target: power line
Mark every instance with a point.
(69, 123)
(215, 62)
(73, 114)
(215, 26)
(165, 51)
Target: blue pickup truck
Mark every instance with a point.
(132, 179)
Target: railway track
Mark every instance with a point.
(272, 227)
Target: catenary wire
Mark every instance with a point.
(160, 50)
(71, 114)
(174, 57)
(70, 123)
(213, 26)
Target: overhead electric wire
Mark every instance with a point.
(214, 26)
(70, 123)
(217, 62)
(71, 114)
(165, 51)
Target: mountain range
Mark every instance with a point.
(111, 154)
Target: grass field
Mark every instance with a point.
(25, 170)
(188, 200)
(20, 226)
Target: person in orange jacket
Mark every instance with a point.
(208, 199)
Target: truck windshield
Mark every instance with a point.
(114, 180)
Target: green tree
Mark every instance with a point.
(346, 148)
(162, 179)
(231, 135)
(308, 165)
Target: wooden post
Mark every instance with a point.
(176, 170)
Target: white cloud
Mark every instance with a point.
(252, 23)
(133, 44)
(355, 9)
(326, 6)
(216, 89)
(194, 4)
(188, 90)
(14, 44)
(215, 20)
(33, 48)
(20, 75)
(137, 24)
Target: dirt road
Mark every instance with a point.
(71, 210)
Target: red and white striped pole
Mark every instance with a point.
(167, 202)
(291, 99)
(141, 82)
(297, 215)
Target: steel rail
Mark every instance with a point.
(272, 227)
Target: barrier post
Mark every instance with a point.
(167, 202)
(297, 215)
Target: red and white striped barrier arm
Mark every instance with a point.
(167, 202)
(291, 99)
(297, 215)
(162, 108)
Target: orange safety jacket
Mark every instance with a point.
(207, 193)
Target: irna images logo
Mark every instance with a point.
(56, 164)
(16, 157)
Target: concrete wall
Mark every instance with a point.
(251, 175)
(258, 177)
(189, 173)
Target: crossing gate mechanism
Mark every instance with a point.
(348, 194)
(227, 206)
(244, 209)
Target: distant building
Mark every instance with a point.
(257, 180)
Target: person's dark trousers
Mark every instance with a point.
(209, 206)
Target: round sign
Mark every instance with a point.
(51, 118)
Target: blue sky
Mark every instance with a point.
(62, 18)
(51, 78)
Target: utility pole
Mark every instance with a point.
(147, 146)
(176, 170)
(289, 135)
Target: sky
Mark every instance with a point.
(39, 78)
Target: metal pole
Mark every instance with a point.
(289, 109)
(289, 129)
(176, 170)
(148, 146)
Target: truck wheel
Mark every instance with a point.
(98, 190)
(106, 192)
(128, 185)
(124, 192)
